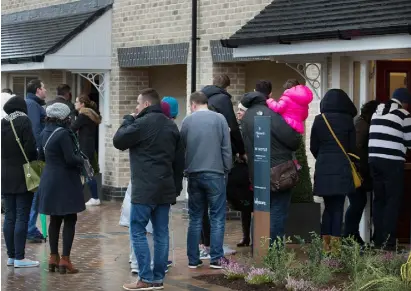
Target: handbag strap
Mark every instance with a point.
(57, 129)
(18, 141)
(337, 140)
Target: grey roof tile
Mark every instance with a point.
(32, 40)
(288, 20)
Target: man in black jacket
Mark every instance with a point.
(157, 165)
(284, 141)
(219, 100)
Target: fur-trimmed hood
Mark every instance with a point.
(90, 113)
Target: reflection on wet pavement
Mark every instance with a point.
(101, 252)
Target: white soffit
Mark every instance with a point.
(387, 42)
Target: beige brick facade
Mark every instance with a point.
(141, 23)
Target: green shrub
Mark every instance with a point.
(303, 191)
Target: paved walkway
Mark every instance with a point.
(101, 252)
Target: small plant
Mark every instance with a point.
(234, 270)
(259, 276)
(279, 260)
(318, 270)
(333, 264)
(299, 285)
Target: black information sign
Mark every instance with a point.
(262, 146)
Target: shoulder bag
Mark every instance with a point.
(283, 176)
(32, 170)
(355, 174)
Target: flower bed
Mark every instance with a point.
(350, 268)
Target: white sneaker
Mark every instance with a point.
(204, 254)
(93, 202)
(134, 271)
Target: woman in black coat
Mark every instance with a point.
(86, 126)
(358, 198)
(17, 200)
(333, 177)
(60, 190)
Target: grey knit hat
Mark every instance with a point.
(58, 110)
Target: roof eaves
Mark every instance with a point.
(234, 42)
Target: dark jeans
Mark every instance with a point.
(206, 188)
(279, 207)
(69, 230)
(388, 183)
(333, 215)
(140, 214)
(92, 185)
(246, 225)
(16, 217)
(358, 201)
(33, 231)
(206, 229)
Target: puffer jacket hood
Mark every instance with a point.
(253, 98)
(300, 94)
(15, 104)
(212, 90)
(90, 113)
(337, 101)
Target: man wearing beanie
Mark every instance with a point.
(390, 136)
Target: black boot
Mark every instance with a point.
(246, 224)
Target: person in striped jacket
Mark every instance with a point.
(390, 137)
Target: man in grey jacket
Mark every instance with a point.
(206, 137)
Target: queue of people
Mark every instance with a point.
(62, 135)
(214, 150)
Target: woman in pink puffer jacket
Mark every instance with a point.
(293, 106)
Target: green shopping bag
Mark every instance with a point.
(43, 220)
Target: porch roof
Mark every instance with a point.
(285, 21)
(24, 40)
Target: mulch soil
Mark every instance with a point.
(241, 285)
(238, 284)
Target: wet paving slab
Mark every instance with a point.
(101, 253)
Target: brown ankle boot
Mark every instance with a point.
(54, 261)
(66, 266)
(326, 243)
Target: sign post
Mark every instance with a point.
(261, 223)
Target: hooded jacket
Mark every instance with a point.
(390, 132)
(219, 100)
(293, 106)
(86, 126)
(284, 140)
(332, 169)
(12, 159)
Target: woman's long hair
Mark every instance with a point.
(83, 98)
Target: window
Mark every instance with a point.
(19, 84)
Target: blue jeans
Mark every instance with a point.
(206, 188)
(16, 217)
(332, 220)
(33, 231)
(139, 216)
(92, 185)
(279, 207)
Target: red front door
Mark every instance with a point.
(390, 76)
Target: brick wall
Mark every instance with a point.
(11, 6)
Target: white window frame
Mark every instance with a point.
(25, 75)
